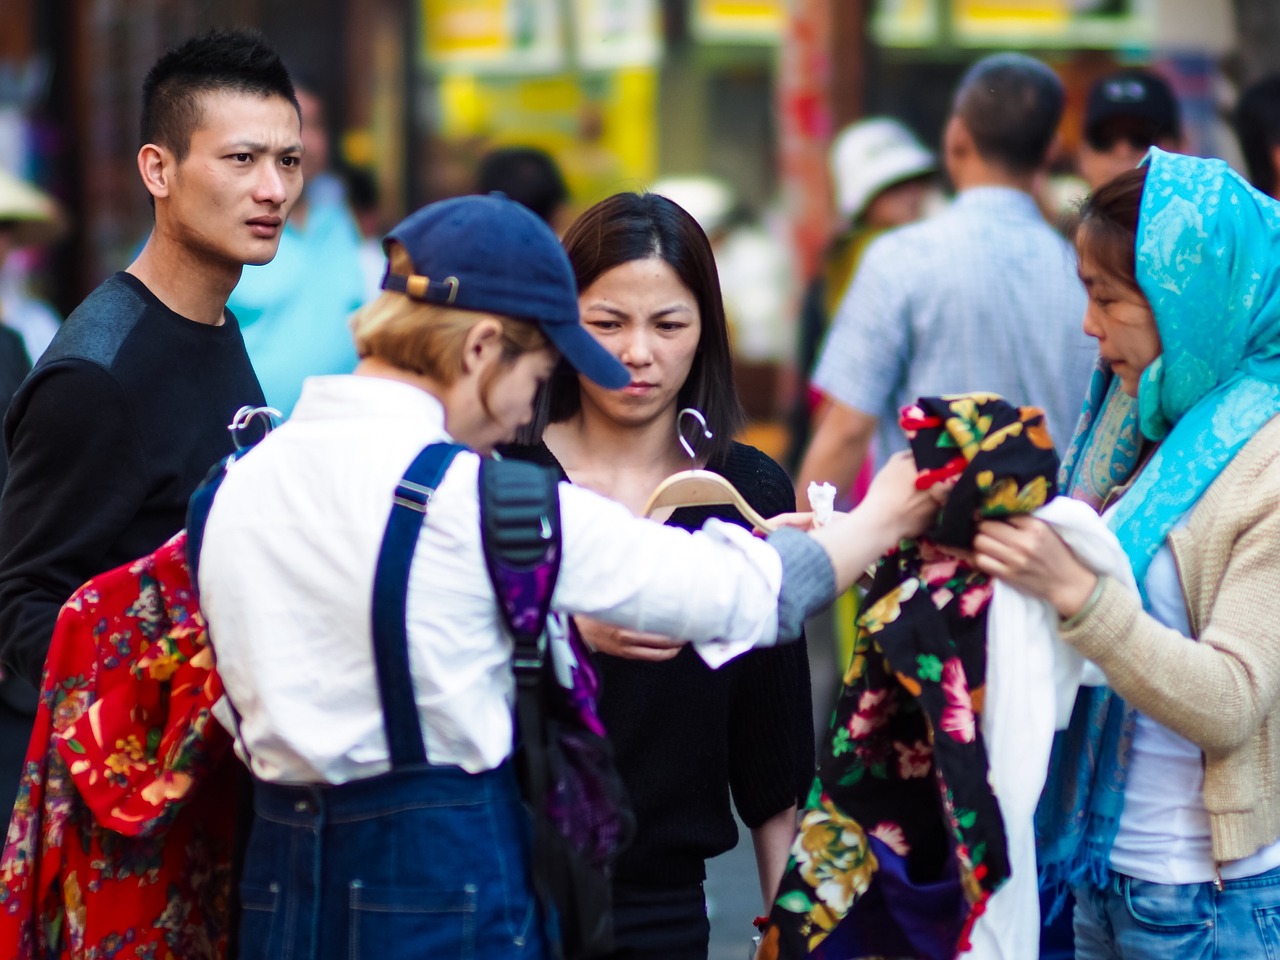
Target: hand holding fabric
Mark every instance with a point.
(1026, 553)
(895, 496)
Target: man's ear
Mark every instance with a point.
(957, 141)
(482, 345)
(155, 165)
(1057, 151)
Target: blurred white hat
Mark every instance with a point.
(870, 155)
(35, 214)
(707, 199)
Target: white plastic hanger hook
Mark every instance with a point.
(702, 422)
(245, 416)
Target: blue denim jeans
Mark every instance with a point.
(1135, 919)
(422, 862)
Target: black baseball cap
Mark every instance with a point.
(1136, 95)
(492, 255)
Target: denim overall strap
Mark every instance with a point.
(390, 594)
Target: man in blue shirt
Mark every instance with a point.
(983, 297)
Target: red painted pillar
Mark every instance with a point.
(805, 127)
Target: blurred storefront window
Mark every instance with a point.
(1096, 24)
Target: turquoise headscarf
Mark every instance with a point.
(1207, 259)
(1208, 262)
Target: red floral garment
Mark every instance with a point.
(120, 843)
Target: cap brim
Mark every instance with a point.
(587, 356)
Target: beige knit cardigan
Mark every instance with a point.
(1220, 693)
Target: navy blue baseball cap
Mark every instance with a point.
(492, 255)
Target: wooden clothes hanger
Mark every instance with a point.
(700, 488)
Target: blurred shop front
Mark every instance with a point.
(620, 92)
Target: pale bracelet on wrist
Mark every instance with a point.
(1067, 623)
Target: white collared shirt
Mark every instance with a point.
(286, 577)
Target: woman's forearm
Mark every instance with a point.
(854, 541)
(772, 842)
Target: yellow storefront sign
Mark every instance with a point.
(1022, 14)
(601, 132)
(739, 20)
(498, 35)
(1014, 23)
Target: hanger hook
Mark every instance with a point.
(702, 421)
(245, 416)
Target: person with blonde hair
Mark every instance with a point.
(353, 839)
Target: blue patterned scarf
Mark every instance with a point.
(1208, 262)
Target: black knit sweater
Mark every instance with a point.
(108, 437)
(688, 737)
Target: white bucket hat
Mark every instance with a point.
(870, 155)
(35, 214)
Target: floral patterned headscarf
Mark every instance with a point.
(901, 841)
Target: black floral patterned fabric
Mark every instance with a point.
(901, 842)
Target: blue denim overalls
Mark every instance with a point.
(425, 861)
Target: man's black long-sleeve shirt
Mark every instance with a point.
(107, 437)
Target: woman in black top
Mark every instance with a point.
(687, 737)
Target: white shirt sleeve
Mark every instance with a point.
(717, 588)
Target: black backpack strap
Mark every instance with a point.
(390, 592)
(520, 530)
(521, 533)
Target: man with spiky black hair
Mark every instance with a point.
(128, 407)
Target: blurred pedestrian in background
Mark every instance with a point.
(1257, 123)
(688, 738)
(982, 297)
(294, 310)
(529, 176)
(363, 196)
(882, 176)
(1126, 113)
(29, 218)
